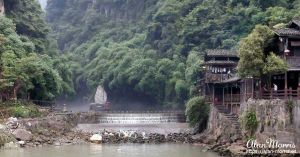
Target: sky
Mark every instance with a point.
(43, 3)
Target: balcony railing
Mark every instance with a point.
(270, 94)
(228, 99)
(232, 98)
(281, 94)
(218, 78)
(293, 61)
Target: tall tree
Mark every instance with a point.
(256, 58)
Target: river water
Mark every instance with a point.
(126, 150)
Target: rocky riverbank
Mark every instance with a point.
(59, 130)
(223, 147)
(50, 130)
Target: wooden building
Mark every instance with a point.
(223, 87)
(288, 43)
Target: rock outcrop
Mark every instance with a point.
(2, 9)
(277, 119)
(222, 127)
(22, 135)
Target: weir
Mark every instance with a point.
(142, 118)
(163, 122)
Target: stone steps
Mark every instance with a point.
(231, 117)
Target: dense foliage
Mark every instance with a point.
(256, 58)
(197, 112)
(250, 122)
(30, 67)
(153, 48)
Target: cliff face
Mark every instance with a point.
(277, 119)
(221, 128)
(2, 9)
(70, 17)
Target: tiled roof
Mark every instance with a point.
(212, 62)
(221, 53)
(287, 32)
(297, 22)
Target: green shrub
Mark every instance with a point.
(290, 106)
(20, 109)
(250, 122)
(197, 112)
(25, 111)
(5, 138)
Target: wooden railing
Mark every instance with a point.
(228, 98)
(271, 94)
(281, 94)
(293, 61)
(235, 98)
(217, 78)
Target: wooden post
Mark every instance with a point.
(230, 99)
(285, 85)
(271, 94)
(260, 89)
(223, 96)
(252, 87)
(298, 93)
(213, 96)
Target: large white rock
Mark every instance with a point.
(96, 138)
(22, 134)
(22, 143)
(2, 127)
(12, 123)
(11, 145)
(100, 96)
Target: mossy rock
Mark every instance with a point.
(5, 138)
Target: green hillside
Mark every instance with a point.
(30, 65)
(153, 49)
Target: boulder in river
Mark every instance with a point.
(22, 143)
(11, 145)
(22, 135)
(96, 138)
(12, 123)
(237, 150)
(2, 127)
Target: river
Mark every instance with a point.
(126, 150)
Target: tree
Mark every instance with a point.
(256, 59)
(23, 70)
(135, 47)
(197, 112)
(28, 19)
(274, 64)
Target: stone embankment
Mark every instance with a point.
(276, 119)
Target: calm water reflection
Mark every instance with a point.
(128, 150)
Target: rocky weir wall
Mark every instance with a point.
(59, 129)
